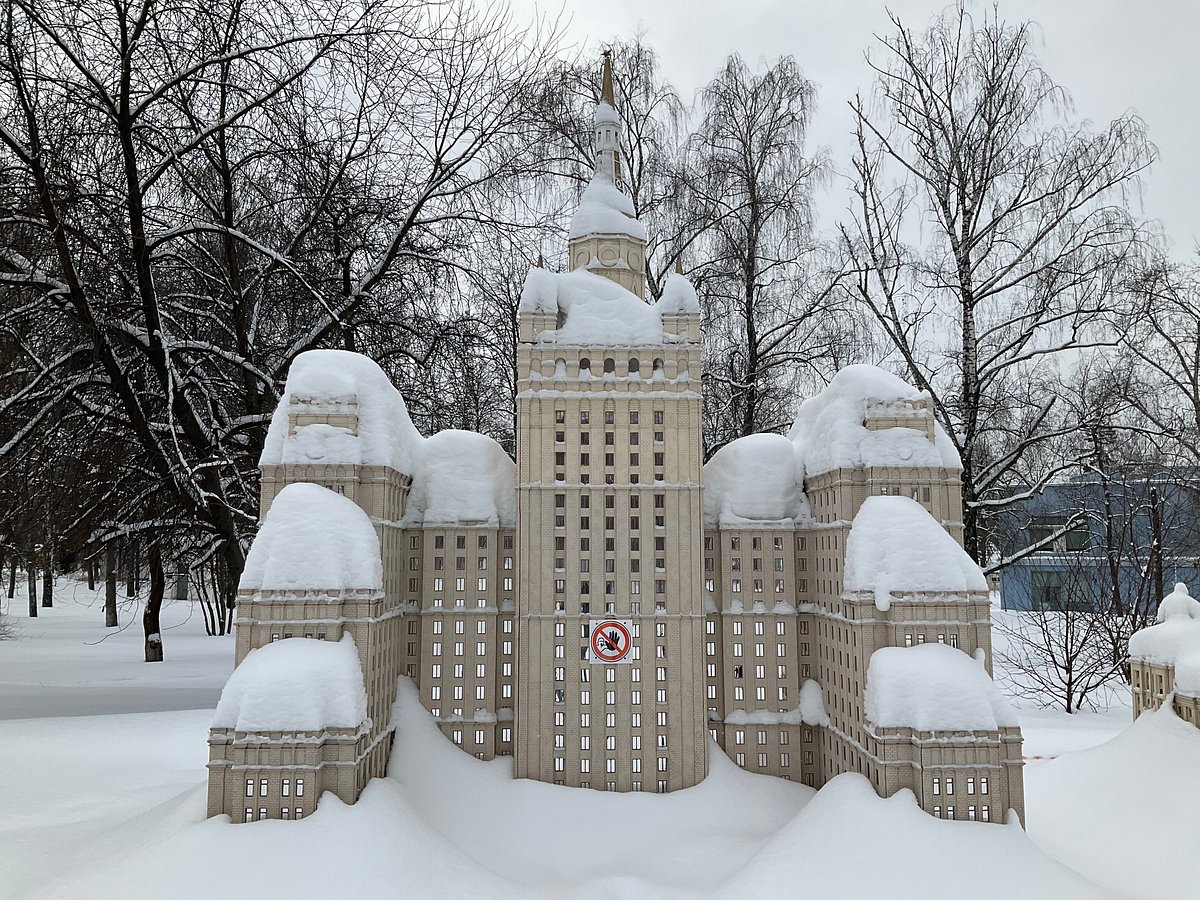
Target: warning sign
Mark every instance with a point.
(612, 640)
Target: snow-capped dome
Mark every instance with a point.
(606, 114)
(933, 687)
(297, 684)
(678, 296)
(754, 479)
(339, 382)
(830, 432)
(313, 539)
(1174, 640)
(605, 209)
(460, 477)
(594, 310)
(896, 546)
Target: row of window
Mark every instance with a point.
(460, 563)
(984, 813)
(946, 785)
(284, 813)
(610, 719)
(610, 416)
(285, 787)
(610, 765)
(460, 542)
(756, 542)
(610, 697)
(785, 759)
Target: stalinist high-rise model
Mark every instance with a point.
(611, 609)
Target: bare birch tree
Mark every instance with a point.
(987, 241)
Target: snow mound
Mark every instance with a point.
(910, 855)
(754, 479)
(313, 539)
(592, 309)
(605, 209)
(296, 684)
(462, 477)
(812, 704)
(933, 687)
(1174, 640)
(1176, 634)
(1084, 807)
(1178, 605)
(811, 711)
(830, 433)
(678, 296)
(896, 546)
(336, 381)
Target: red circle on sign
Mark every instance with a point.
(610, 641)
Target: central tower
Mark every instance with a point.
(609, 509)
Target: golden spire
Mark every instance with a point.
(606, 84)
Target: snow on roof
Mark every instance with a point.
(754, 479)
(593, 309)
(328, 381)
(605, 209)
(1174, 640)
(830, 433)
(297, 684)
(933, 687)
(810, 711)
(460, 477)
(678, 296)
(313, 539)
(896, 546)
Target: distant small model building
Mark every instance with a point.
(608, 611)
(1164, 658)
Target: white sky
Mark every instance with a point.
(1111, 55)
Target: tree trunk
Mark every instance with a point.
(12, 578)
(131, 563)
(48, 582)
(91, 572)
(32, 573)
(154, 599)
(110, 588)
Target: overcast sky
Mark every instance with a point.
(1111, 55)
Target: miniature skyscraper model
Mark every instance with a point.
(605, 608)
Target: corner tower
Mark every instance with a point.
(606, 238)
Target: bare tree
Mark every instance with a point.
(195, 193)
(988, 240)
(766, 288)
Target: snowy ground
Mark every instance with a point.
(100, 803)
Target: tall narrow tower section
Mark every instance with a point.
(610, 616)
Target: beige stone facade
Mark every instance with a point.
(492, 619)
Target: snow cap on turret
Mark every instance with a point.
(313, 539)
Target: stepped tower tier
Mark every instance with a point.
(606, 238)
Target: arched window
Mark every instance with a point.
(610, 366)
(635, 366)
(585, 365)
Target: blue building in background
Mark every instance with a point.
(1139, 532)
